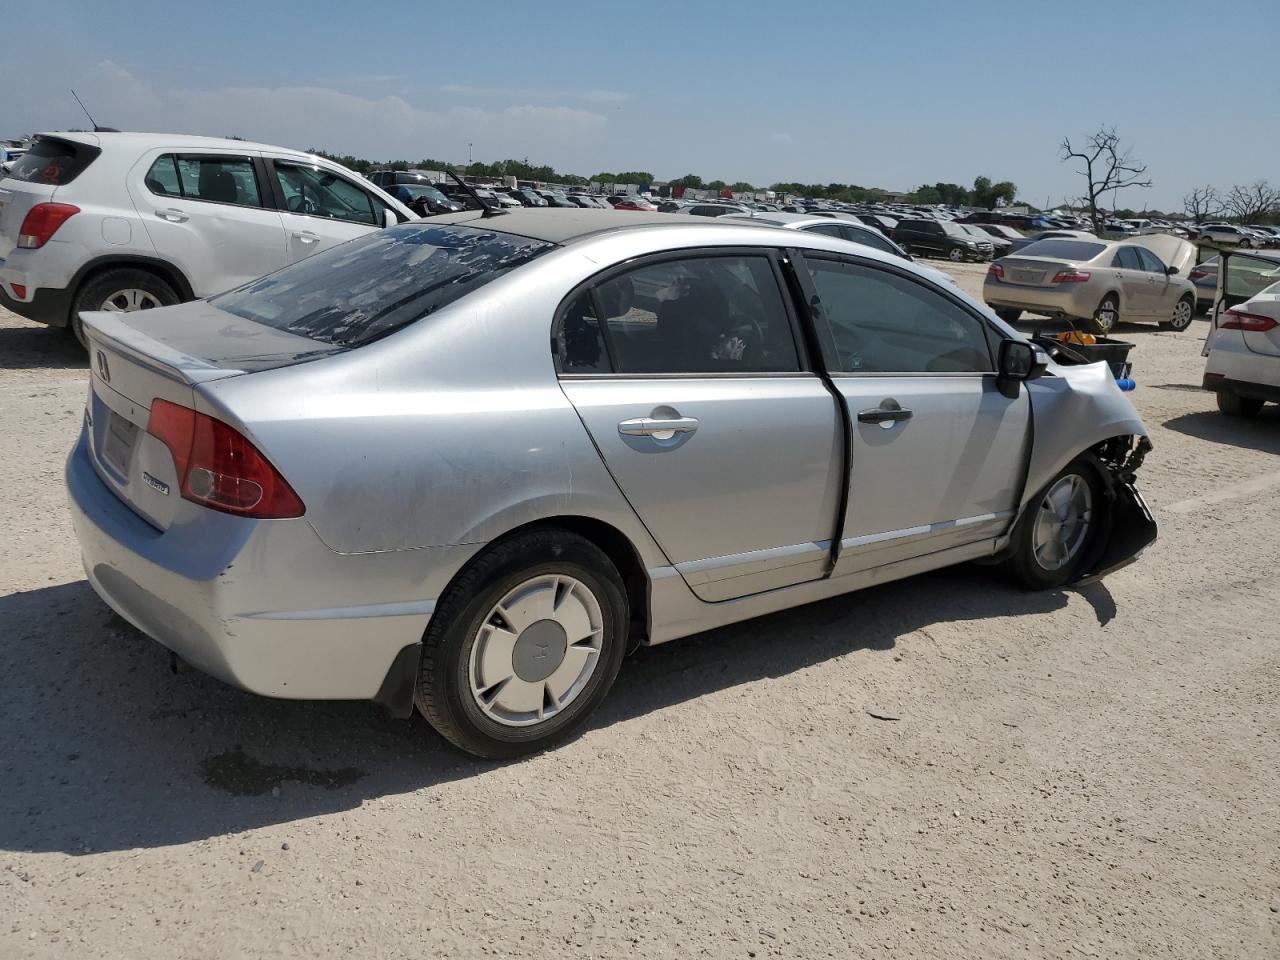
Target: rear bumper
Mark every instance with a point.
(262, 605)
(1048, 300)
(49, 306)
(1242, 388)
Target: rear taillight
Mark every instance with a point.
(1196, 275)
(1237, 320)
(218, 467)
(42, 222)
(995, 270)
(1071, 276)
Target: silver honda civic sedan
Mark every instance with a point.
(469, 463)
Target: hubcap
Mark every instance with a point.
(1107, 314)
(536, 650)
(127, 301)
(1182, 315)
(956, 254)
(1062, 522)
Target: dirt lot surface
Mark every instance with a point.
(1083, 773)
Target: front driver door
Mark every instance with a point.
(694, 391)
(938, 452)
(321, 209)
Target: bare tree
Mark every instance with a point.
(1203, 203)
(1250, 203)
(1105, 165)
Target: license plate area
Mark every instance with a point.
(118, 441)
(1028, 276)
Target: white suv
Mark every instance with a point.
(128, 221)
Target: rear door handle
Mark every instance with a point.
(307, 237)
(173, 215)
(887, 414)
(659, 429)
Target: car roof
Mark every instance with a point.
(177, 141)
(790, 221)
(564, 225)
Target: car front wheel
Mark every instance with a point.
(1183, 312)
(1056, 535)
(524, 646)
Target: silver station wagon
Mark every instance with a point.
(469, 463)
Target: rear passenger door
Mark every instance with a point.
(688, 374)
(321, 209)
(1135, 288)
(210, 215)
(938, 451)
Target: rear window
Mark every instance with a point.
(53, 162)
(361, 291)
(1063, 249)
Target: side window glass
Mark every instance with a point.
(319, 193)
(883, 323)
(1127, 259)
(577, 341)
(827, 230)
(869, 238)
(699, 315)
(162, 178)
(219, 180)
(1150, 261)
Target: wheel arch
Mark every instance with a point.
(161, 268)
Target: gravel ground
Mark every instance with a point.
(1081, 773)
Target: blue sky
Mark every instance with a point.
(879, 94)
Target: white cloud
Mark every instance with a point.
(533, 93)
(305, 116)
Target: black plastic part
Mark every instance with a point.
(1133, 529)
(49, 305)
(396, 693)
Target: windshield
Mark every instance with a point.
(953, 229)
(1063, 249)
(363, 290)
(431, 193)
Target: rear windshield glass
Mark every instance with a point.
(1063, 249)
(363, 290)
(55, 162)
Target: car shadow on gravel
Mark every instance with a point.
(1261, 433)
(107, 749)
(40, 348)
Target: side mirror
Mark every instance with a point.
(1019, 361)
(389, 218)
(1171, 271)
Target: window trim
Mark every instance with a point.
(992, 336)
(282, 206)
(175, 155)
(774, 255)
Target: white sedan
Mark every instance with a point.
(1243, 350)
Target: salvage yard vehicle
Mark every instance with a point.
(1243, 348)
(135, 221)
(468, 463)
(1097, 282)
(941, 239)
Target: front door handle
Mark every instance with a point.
(307, 237)
(173, 215)
(887, 414)
(659, 428)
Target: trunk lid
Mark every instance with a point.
(1032, 272)
(16, 200)
(52, 162)
(136, 358)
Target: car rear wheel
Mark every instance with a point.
(955, 255)
(1235, 406)
(1105, 317)
(524, 645)
(122, 290)
(1009, 315)
(1057, 533)
(1183, 312)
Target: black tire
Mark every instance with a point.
(955, 255)
(1022, 561)
(443, 691)
(1181, 318)
(1106, 317)
(1009, 314)
(94, 293)
(1237, 406)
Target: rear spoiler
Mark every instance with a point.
(148, 352)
